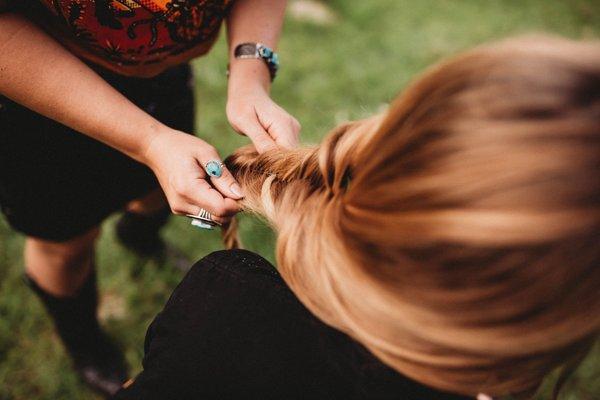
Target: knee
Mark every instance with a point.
(151, 203)
(71, 254)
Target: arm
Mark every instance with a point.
(37, 72)
(40, 74)
(249, 107)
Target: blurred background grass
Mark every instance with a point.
(340, 60)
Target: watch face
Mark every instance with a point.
(258, 50)
(246, 49)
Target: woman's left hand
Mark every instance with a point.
(253, 113)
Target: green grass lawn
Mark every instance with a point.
(346, 68)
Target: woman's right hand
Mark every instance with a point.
(178, 161)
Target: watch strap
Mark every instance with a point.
(259, 51)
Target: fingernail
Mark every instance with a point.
(236, 189)
(200, 224)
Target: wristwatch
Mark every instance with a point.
(259, 51)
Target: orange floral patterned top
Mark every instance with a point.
(134, 37)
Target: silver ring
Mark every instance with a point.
(202, 224)
(204, 216)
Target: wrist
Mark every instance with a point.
(248, 73)
(146, 153)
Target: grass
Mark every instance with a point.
(333, 72)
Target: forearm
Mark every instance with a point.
(40, 74)
(250, 109)
(253, 21)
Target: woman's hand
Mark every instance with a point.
(178, 161)
(251, 111)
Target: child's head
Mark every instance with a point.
(457, 235)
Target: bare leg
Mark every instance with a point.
(149, 204)
(60, 268)
(139, 229)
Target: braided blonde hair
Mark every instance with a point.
(457, 235)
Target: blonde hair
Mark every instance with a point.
(457, 235)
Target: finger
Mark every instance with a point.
(227, 185)
(259, 136)
(203, 195)
(284, 129)
(220, 176)
(284, 135)
(288, 139)
(296, 127)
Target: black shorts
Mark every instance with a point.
(56, 183)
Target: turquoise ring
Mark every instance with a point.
(201, 224)
(214, 168)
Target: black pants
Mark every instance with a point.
(56, 183)
(233, 329)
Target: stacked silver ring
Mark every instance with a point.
(205, 215)
(203, 219)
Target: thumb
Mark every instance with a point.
(284, 135)
(259, 136)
